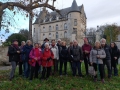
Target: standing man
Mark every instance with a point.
(46, 40)
(107, 60)
(86, 52)
(26, 50)
(77, 58)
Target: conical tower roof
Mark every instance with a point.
(74, 7)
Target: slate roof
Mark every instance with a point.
(74, 7)
(63, 12)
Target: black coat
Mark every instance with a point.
(13, 55)
(107, 51)
(63, 53)
(114, 53)
(76, 53)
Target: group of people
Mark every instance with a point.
(49, 58)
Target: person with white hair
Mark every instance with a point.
(47, 61)
(107, 60)
(77, 58)
(26, 50)
(97, 54)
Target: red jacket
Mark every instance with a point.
(34, 53)
(46, 54)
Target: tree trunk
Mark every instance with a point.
(30, 24)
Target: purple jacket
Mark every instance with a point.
(33, 54)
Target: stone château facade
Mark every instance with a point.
(71, 25)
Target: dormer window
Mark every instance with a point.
(50, 19)
(57, 17)
(44, 20)
(66, 16)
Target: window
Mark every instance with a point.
(49, 35)
(34, 30)
(75, 22)
(43, 29)
(57, 36)
(57, 17)
(43, 36)
(75, 30)
(57, 27)
(65, 26)
(50, 19)
(49, 28)
(65, 34)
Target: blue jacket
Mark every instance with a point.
(26, 51)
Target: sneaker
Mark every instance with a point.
(103, 81)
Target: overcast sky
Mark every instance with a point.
(98, 12)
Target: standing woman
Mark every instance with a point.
(26, 50)
(64, 58)
(14, 57)
(21, 58)
(35, 59)
(96, 59)
(47, 61)
(114, 57)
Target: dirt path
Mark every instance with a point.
(5, 68)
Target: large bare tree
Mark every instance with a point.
(25, 5)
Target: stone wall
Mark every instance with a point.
(3, 56)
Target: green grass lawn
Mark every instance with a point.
(57, 83)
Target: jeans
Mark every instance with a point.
(14, 64)
(20, 68)
(26, 69)
(65, 67)
(76, 66)
(34, 70)
(114, 65)
(46, 72)
(108, 64)
(101, 70)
